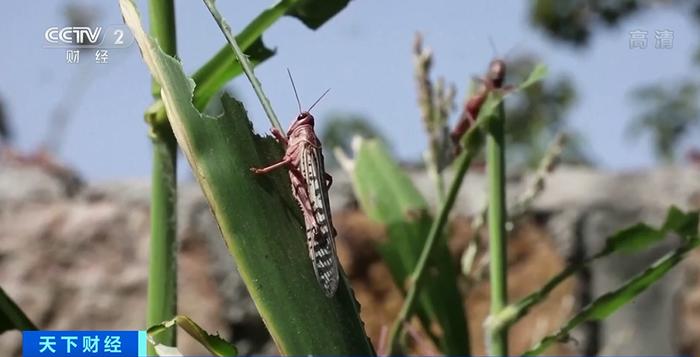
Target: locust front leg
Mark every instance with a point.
(279, 137)
(268, 169)
(286, 161)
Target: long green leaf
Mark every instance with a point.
(259, 220)
(682, 223)
(223, 66)
(387, 195)
(608, 303)
(213, 343)
(641, 235)
(627, 240)
(246, 65)
(314, 13)
(11, 316)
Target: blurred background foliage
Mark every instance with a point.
(536, 116)
(339, 130)
(668, 112)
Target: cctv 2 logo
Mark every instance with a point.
(85, 36)
(73, 36)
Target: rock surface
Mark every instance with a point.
(76, 259)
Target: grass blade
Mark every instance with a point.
(245, 64)
(608, 303)
(627, 240)
(221, 68)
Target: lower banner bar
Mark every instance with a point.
(83, 343)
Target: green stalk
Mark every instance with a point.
(491, 110)
(495, 156)
(245, 64)
(162, 270)
(420, 272)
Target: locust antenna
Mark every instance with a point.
(319, 99)
(509, 53)
(295, 89)
(494, 50)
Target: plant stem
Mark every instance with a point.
(162, 25)
(495, 156)
(245, 64)
(420, 272)
(162, 272)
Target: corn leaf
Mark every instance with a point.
(259, 220)
(628, 240)
(389, 197)
(221, 68)
(608, 303)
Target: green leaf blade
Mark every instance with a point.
(314, 13)
(11, 316)
(684, 224)
(221, 68)
(387, 195)
(213, 343)
(608, 303)
(634, 238)
(259, 220)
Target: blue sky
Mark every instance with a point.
(363, 54)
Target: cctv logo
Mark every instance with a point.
(74, 36)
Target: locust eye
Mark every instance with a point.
(307, 117)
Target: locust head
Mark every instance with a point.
(304, 118)
(497, 73)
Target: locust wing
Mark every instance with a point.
(321, 236)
